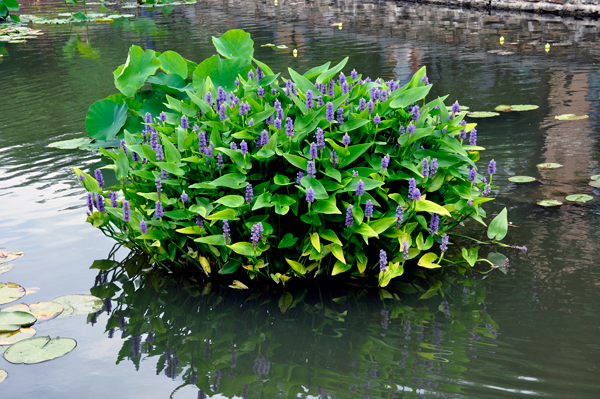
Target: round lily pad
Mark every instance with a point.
(19, 307)
(503, 108)
(9, 338)
(595, 183)
(3, 375)
(6, 267)
(482, 114)
(548, 165)
(12, 321)
(595, 177)
(521, 179)
(549, 203)
(579, 198)
(40, 349)
(44, 311)
(78, 304)
(570, 117)
(10, 292)
(524, 107)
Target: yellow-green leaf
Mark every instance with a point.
(337, 251)
(316, 243)
(427, 261)
(431, 207)
(297, 267)
(205, 265)
(340, 267)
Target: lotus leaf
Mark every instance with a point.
(521, 179)
(502, 108)
(78, 304)
(12, 337)
(44, 311)
(3, 375)
(549, 203)
(579, 198)
(6, 257)
(10, 292)
(482, 114)
(132, 75)
(105, 118)
(524, 107)
(234, 43)
(12, 321)
(595, 183)
(40, 349)
(549, 165)
(595, 177)
(570, 117)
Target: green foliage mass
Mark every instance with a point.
(6, 6)
(188, 125)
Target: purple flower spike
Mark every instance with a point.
(299, 177)
(434, 166)
(154, 139)
(349, 217)
(369, 209)
(158, 186)
(362, 105)
(425, 167)
(243, 147)
(462, 134)
(385, 162)
(135, 157)
(413, 191)
(313, 151)
(237, 82)
(355, 173)
(233, 146)
(320, 136)
(340, 116)
(260, 92)
(375, 93)
(353, 74)
(90, 202)
(256, 234)
(185, 124)
(383, 263)
(410, 129)
(113, 199)
(143, 227)
(416, 113)
(289, 127)
(160, 155)
(148, 117)
(250, 75)
(249, 193)
(470, 202)
(264, 138)
(208, 99)
(346, 140)
(222, 115)
(377, 119)
(277, 124)
(163, 117)
(492, 167)
(444, 245)
(405, 247)
(360, 188)
(434, 225)
(334, 158)
(259, 74)
(473, 137)
(310, 169)
(487, 190)
(309, 100)
(310, 195)
(463, 123)
(199, 221)
(342, 78)
(126, 211)
(164, 174)
(184, 197)
(202, 140)
(444, 129)
(123, 146)
(425, 80)
(472, 175)
(331, 90)
(99, 178)
(81, 178)
(370, 105)
(219, 161)
(399, 216)
(455, 108)
(401, 130)
(384, 96)
(329, 114)
(226, 231)
(160, 213)
(320, 101)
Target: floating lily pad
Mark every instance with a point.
(521, 179)
(12, 321)
(9, 338)
(78, 304)
(6, 267)
(503, 108)
(549, 203)
(6, 257)
(268, 45)
(3, 375)
(44, 311)
(281, 47)
(70, 144)
(595, 183)
(579, 198)
(482, 114)
(20, 307)
(549, 165)
(570, 117)
(524, 107)
(40, 349)
(10, 292)
(595, 177)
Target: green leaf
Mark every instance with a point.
(171, 168)
(331, 72)
(217, 240)
(431, 207)
(285, 302)
(314, 240)
(499, 227)
(231, 180)
(366, 230)
(227, 214)
(297, 161)
(579, 198)
(330, 235)
(340, 267)
(222, 72)
(470, 255)
(132, 75)
(263, 201)
(353, 124)
(549, 202)
(521, 179)
(303, 83)
(428, 260)
(190, 230)
(297, 267)
(355, 152)
(104, 119)
(570, 117)
(230, 268)
(173, 63)
(231, 201)
(282, 180)
(234, 43)
(122, 165)
(79, 304)
(482, 114)
(13, 321)
(548, 165)
(407, 97)
(10, 292)
(39, 349)
(11, 5)
(288, 240)
(327, 206)
(320, 192)
(243, 248)
(338, 252)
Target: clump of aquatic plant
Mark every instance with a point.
(227, 166)
(6, 6)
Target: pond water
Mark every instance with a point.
(532, 332)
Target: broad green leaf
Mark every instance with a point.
(338, 252)
(548, 165)
(282, 180)
(171, 168)
(316, 243)
(10, 292)
(231, 180)
(104, 119)
(366, 230)
(122, 165)
(13, 321)
(297, 161)
(227, 214)
(190, 230)
(327, 206)
(570, 117)
(428, 260)
(330, 235)
(173, 63)
(231, 201)
(320, 193)
(316, 71)
(521, 179)
(482, 114)
(217, 240)
(222, 72)
(132, 75)
(353, 124)
(263, 201)
(355, 152)
(431, 207)
(498, 227)
(331, 72)
(470, 255)
(410, 96)
(243, 248)
(424, 245)
(297, 267)
(230, 268)
(288, 240)
(78, 304)
(340, 267)
(234, 43)
(37, 350)
(238, 285)
(12, 337)
(579, 198)
(71, 144)
(303, 83)
(549, 202)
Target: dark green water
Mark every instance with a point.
(532, 332)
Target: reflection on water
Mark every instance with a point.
(325, 342)
(547, 306)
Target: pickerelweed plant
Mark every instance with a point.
(220, 167)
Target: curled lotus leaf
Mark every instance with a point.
(3, 375)
(39, 349)
(548, 165)
(570, 117)
(595, 177)
(579, 198)
(13, 321)
(10, 292)
(78, 304)
(549, 203)
(482, 114)
(521, 179)
(12, 337)
(595, 183)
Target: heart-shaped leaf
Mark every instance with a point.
(104, 119)
(37, 350)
